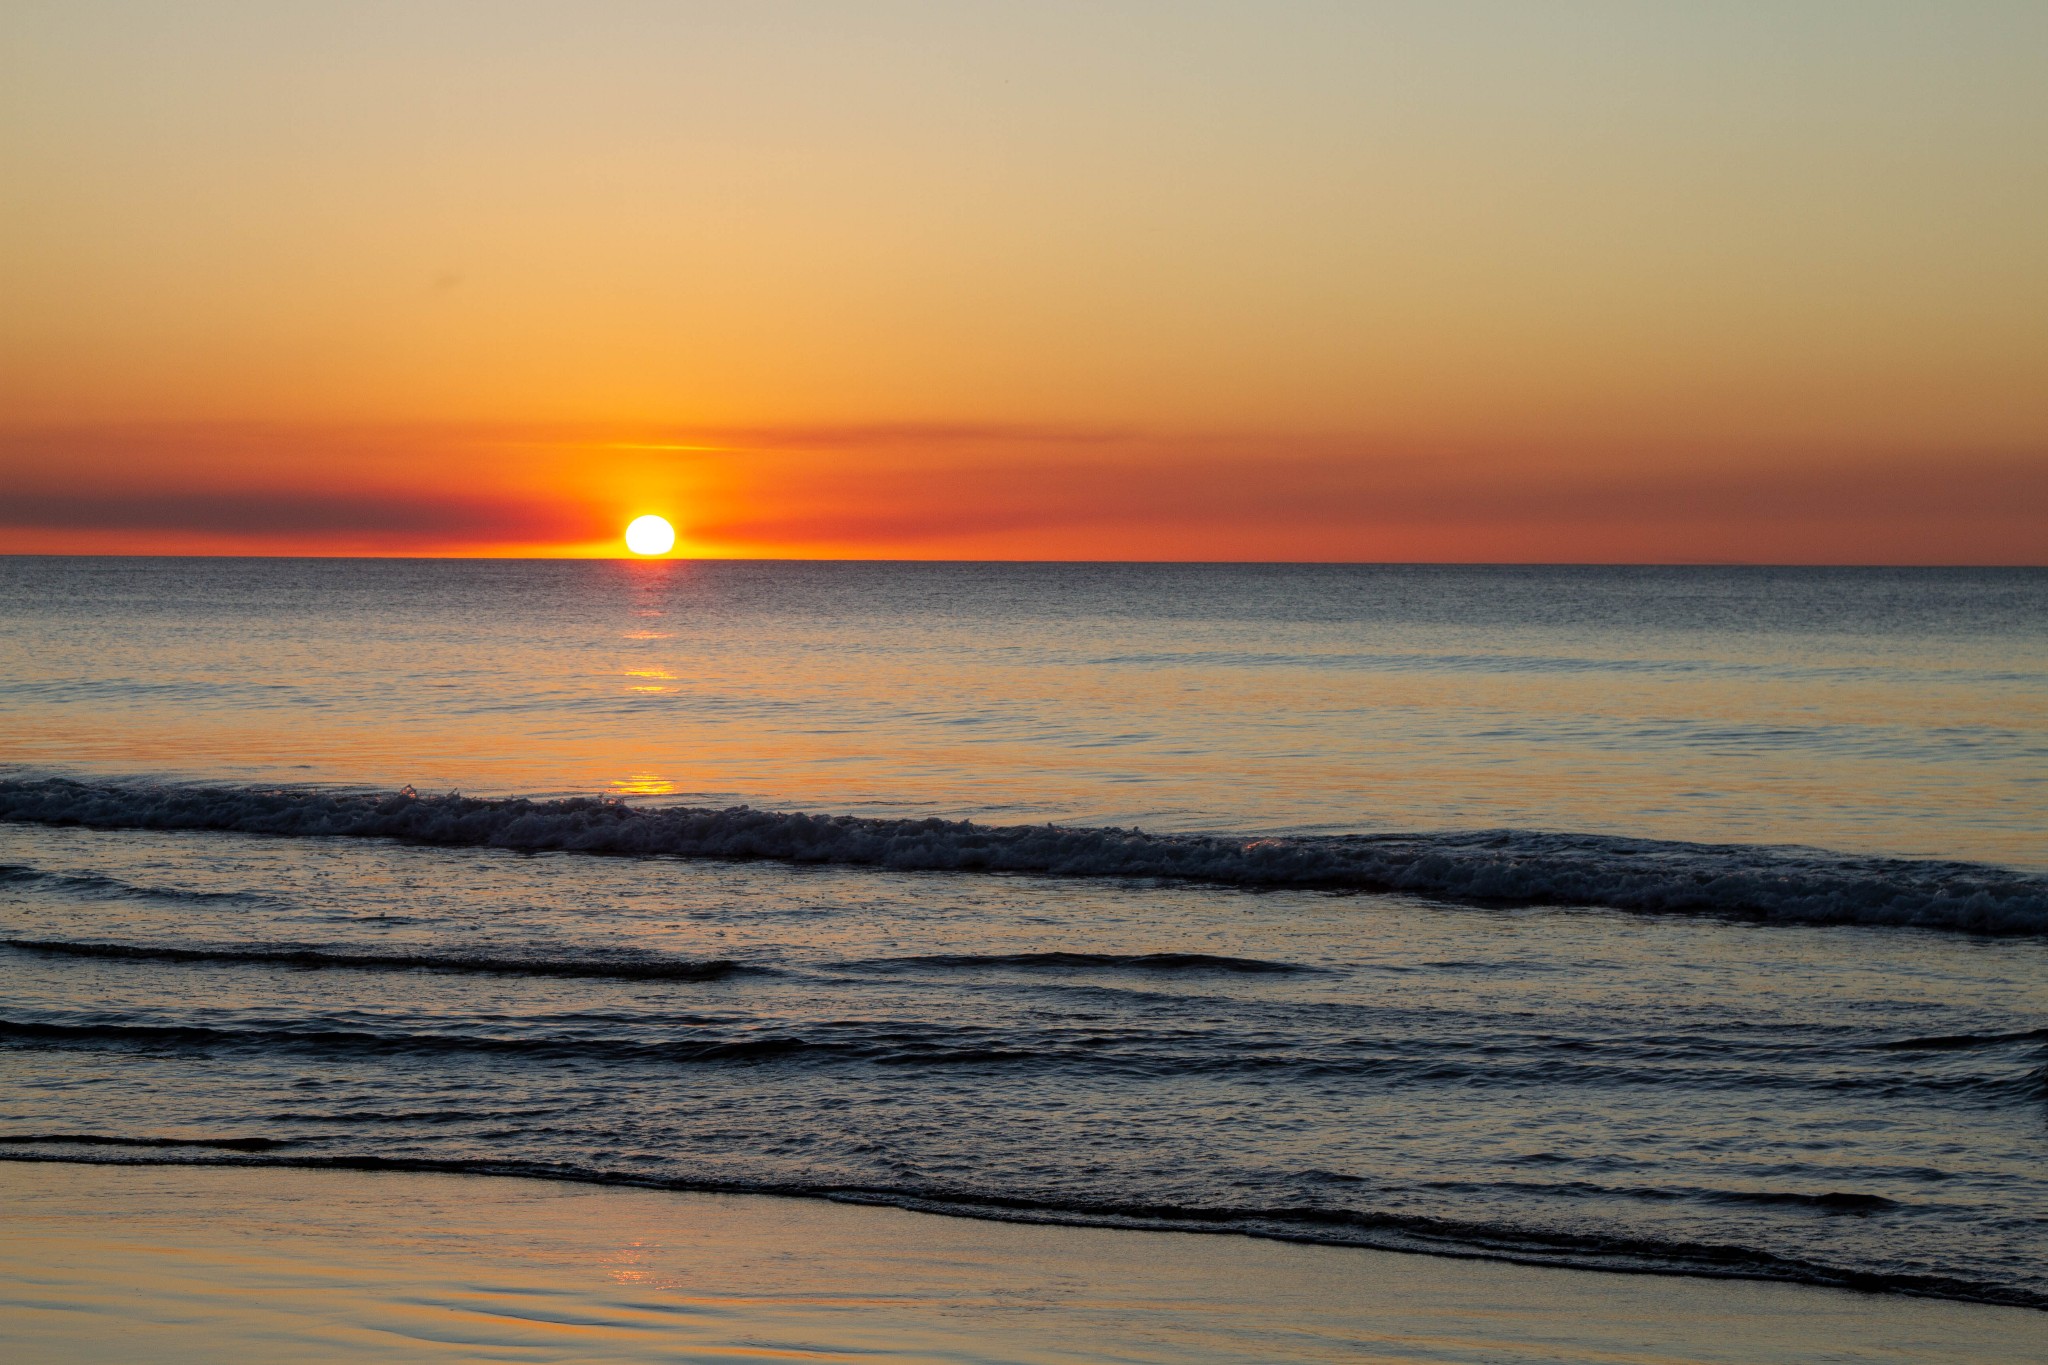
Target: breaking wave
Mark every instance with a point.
(1501, 867)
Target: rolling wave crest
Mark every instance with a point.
(1508, 867)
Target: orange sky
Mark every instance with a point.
(1480, 281)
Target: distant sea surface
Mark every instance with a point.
(1687, 920)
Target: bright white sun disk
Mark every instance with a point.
(650, 535)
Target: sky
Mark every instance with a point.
(1446, 281)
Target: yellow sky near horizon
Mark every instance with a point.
(1203, 280)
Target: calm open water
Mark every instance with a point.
(1667, 919)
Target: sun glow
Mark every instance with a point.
(650, 535)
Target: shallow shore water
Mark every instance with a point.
(205, 1264)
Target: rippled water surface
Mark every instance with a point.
(1894, 711)
(1618, 1026)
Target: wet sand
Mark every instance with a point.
(175, 1264)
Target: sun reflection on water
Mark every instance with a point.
(642, 784)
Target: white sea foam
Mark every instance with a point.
(1783, 884)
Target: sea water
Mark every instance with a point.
(1685, 919)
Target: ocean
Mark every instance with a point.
(1677, 920)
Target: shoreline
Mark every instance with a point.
(257, 1262)
(1397, 1239)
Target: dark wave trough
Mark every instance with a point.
(318, 959)
(97, 886)
(1111, 962)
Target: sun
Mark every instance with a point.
(650, 535)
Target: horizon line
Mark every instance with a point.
(1191, 563)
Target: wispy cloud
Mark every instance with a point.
(394, 515)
